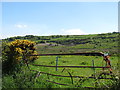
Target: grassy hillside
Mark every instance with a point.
(25, 78)
(107, 42)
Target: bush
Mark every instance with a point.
(17, 52)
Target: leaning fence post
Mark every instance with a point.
(56, 63)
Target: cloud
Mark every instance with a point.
(73, 32)
(21, 26)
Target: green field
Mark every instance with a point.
(60, 44)
(74, 61)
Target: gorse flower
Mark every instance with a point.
(19, 48)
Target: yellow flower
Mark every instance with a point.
(19, 50)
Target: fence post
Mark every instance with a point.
(93, 66)
(56, 63)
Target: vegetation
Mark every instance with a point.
(107, 42)
(85, 72)
(30, 79)
(15, 51)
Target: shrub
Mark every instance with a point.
(17, 52)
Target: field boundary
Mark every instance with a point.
(83, 53)
(71, 66)
(70, 75)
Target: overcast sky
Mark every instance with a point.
(58, 18)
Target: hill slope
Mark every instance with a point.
(107, 42)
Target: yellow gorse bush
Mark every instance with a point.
(19, 48)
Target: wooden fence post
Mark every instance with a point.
(93, 66)
(56, 63)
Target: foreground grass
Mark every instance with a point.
(29, 79)
(75, 61)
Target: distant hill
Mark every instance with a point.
(106, 42)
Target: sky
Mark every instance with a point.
(58, 18)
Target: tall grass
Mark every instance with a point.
(25, 79)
